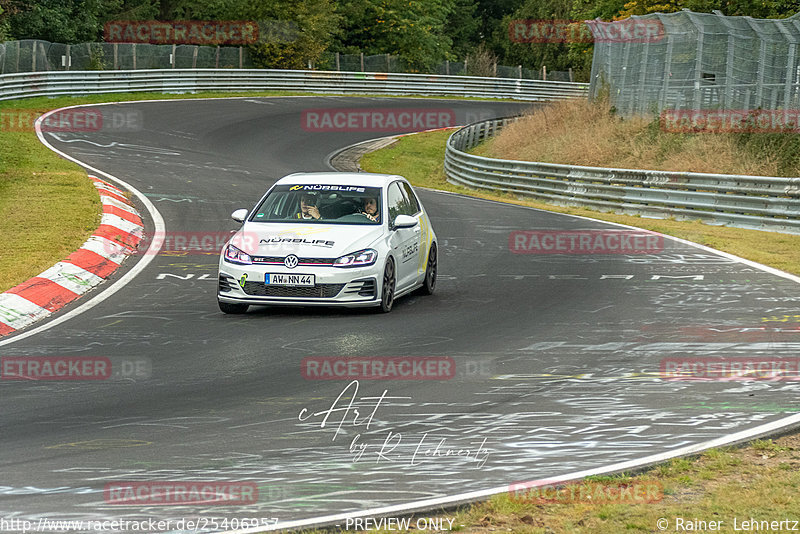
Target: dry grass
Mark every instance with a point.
(581, 133)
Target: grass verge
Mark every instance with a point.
(420, 158)
(726, 486)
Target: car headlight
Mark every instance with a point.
(357, 259)
(234, 255)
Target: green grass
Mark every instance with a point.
(47, 208)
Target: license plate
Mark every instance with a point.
(290, 279)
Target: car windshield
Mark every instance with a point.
(326, 204)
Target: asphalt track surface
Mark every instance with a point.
(557, 356)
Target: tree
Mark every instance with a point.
(549, 15)
(415, 30)
(463, 28)
(61, 21)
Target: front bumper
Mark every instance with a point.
(244, 284)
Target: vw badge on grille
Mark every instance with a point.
(291, 261)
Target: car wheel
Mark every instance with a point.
(388, 286)
(429, 284)
(236, 309)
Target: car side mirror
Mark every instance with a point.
(239, 215)
(405, 221)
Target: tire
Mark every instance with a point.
(388, 286)
(429, 284)
(234, 309)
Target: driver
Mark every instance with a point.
(370, 208)
(308, 207)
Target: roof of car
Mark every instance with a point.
(340, 178)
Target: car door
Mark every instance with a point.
(425, 236)
(403, 241)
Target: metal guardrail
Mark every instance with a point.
(192, 80)
(754, 202)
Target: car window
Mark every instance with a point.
(396, 201)
(413, 203)
(327, 204)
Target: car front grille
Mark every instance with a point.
(278, 260)
(260, 289)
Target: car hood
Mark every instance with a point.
(304, 240)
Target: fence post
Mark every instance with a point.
(133, 47)
(241, 57)
(194, 57)
(570, 73)
(173, 58)
(465, 66)
(116, 64)
(33, 56)
(519, 68)
(337, 62)
(388, 68)
(216, 60)
(362, 61)
(66, 58)
(544, 72)
(447, 66)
